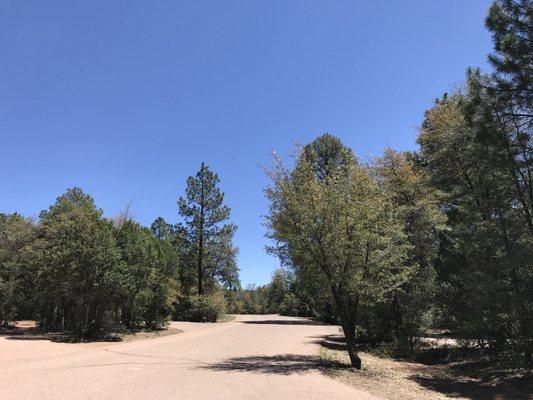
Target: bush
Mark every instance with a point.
(207, 308)
(290, 305)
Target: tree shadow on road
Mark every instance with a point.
(283, 364)
(283, 322)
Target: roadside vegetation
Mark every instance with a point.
(452, 375)
(75, 271)
(440, 237)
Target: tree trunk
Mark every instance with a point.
(349, 334)
(201, 237)
(200, 260)
(347, 308)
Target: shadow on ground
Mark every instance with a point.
(470, 373)
(34, 333)
(283, 364)
(283, 322)
(332, 342)
(455, 387)
(453, 372)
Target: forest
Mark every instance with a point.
(389, 247)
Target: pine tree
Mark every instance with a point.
(204, 214)
(511, 25)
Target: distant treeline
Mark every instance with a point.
(277, 297)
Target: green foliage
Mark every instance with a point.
(17, 276)
(148, 273)
(276, 291)
(209, 240)
(77, 259)
(486, 270)
(206, 308)
(76, 271)
(335, 225)
(477, 148)
(290, 305)
(511, 22)
(417, 205)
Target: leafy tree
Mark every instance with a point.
(77, 259)
(331, 221)
(276, 291)
(148, 276)
(209, 238)
(290, 305)
(417, 205)
(17, 276)
(254, 300)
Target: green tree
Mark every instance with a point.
(175, 238)
(331, 221)
(162, 230)
(148, 275)
(77, 259)
(205, 214)
(417, 204)
(486, 271)
(511, 25)
(220, 263)
(17, 275)
(277, 289)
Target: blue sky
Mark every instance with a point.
(126, 98)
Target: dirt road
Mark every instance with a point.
(253, 357)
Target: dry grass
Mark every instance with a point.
(226, 318)
(150, 334)
(382, 377)
(404, 380)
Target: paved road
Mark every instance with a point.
(253, 357)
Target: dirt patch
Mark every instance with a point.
(405, 380)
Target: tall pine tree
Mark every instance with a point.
(204, 214)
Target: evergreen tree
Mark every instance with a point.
(205, 214)
(77, 258)
(486, 271)
(511, 25)
(162, 230)
(17, 274)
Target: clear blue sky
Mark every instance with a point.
(126, 98)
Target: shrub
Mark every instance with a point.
(290, 305)
(207, 308)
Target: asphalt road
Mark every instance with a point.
(253, 357)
